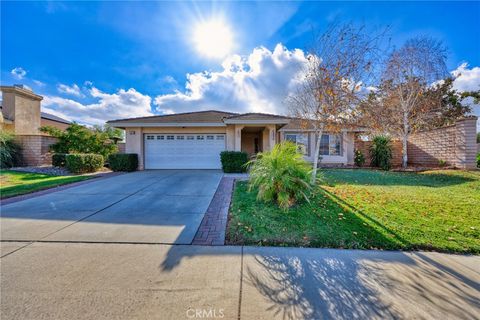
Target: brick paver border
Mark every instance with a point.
(213, 226)
(58, 188)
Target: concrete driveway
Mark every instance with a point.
(164, 206)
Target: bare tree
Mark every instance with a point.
(340, 65)
(405, 101)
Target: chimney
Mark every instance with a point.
(22, 106)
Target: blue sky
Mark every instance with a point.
(95, 61)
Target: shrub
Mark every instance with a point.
(442, 163)
(233, 161)
(123, 161)
(381, 152)
(58, 159)
(359, 158)
(82, 163)
(281, 175)
(81, 140)
(10, 151)
(478, 160)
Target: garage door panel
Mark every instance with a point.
(183, 151)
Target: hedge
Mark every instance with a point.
(58, 159)
(81, 163)
(123, 161)
(233, 161)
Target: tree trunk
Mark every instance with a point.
(316, 155)
(404, 151)
(406, 130)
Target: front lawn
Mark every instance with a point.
(14, 183)
(433, 210)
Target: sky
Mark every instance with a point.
(98, 61)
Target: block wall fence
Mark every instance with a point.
(455, 144)
(35, 149)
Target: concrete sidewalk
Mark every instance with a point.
(126, 281)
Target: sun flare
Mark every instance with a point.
(213, 39)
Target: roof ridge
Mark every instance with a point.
(257, 113)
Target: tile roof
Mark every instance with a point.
(207, 116)
(52, 117)
(257, 116)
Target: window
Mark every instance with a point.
(331, 145)
(209, 137)
(180, 137)
(150, 137)
(335, 145)
(324, 149)
(190, 137)
(301, 140)
(220, 138)
(131, 132)
(200, 137)
(170, 137)
(160, 137)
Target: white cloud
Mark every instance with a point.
(259, 82)
(109, 106)
(18, 73)
(39, 83)
(73, 90)
(468, 80)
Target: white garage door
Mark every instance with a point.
(183, 151)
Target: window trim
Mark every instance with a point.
(330, 146)
(292, 133)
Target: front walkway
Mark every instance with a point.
(138, 281)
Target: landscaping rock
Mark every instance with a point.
(54, 171)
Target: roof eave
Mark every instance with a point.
(123, 124)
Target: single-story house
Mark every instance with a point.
(194, 140)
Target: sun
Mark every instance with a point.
(213, 39)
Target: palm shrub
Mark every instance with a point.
(10, 151)
(381, 152)
(281, 175)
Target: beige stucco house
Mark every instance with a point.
(21, 114)
(194, 140)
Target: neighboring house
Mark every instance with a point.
(21, 114)
(194, 140)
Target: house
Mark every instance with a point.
(194, 140)
(21, 114)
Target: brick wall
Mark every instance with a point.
(364, 146)
(454, 144)
(35, 149)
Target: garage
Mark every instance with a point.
(183, 151)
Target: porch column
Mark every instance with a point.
(268, 137)
(238, 137)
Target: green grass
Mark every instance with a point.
(14, 183)
(366, 209)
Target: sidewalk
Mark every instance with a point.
(125, 281)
